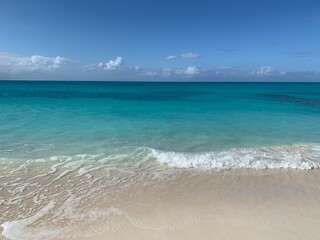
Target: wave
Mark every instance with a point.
(303, 157)
(299, 156)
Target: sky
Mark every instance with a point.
(168, 40)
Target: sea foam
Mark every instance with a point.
(303, 157)
(19, 229)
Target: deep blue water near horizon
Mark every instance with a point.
(45, 119)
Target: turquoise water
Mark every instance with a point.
(46, 119)
(74, 154)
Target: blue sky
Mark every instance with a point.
(222, 40)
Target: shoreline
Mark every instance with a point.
(237, 204)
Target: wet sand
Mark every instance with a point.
(185, 204)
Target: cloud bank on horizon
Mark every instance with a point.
(36, 67)
(143, 40)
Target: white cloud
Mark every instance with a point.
(166, 72)
(192, 70)
(265, 71)
(15, 64)
(171, 57)
(174, 72)
(190, 55)
(112, 64)
(150, 73)
(183, 55)
(37, 67)
(135, 69)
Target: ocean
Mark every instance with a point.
(62, 144)
(199, 123)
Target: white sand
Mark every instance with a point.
(234, 205)
(241, 204)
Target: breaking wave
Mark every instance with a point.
(303, 157)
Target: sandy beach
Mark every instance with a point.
(232, 205)
(238, 204)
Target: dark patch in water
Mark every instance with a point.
(150, 96)
(308, 93)
(299, 100)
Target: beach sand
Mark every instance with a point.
(191, 204)
(233, 205)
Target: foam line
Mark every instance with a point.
(18, 229)
(295, 157)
